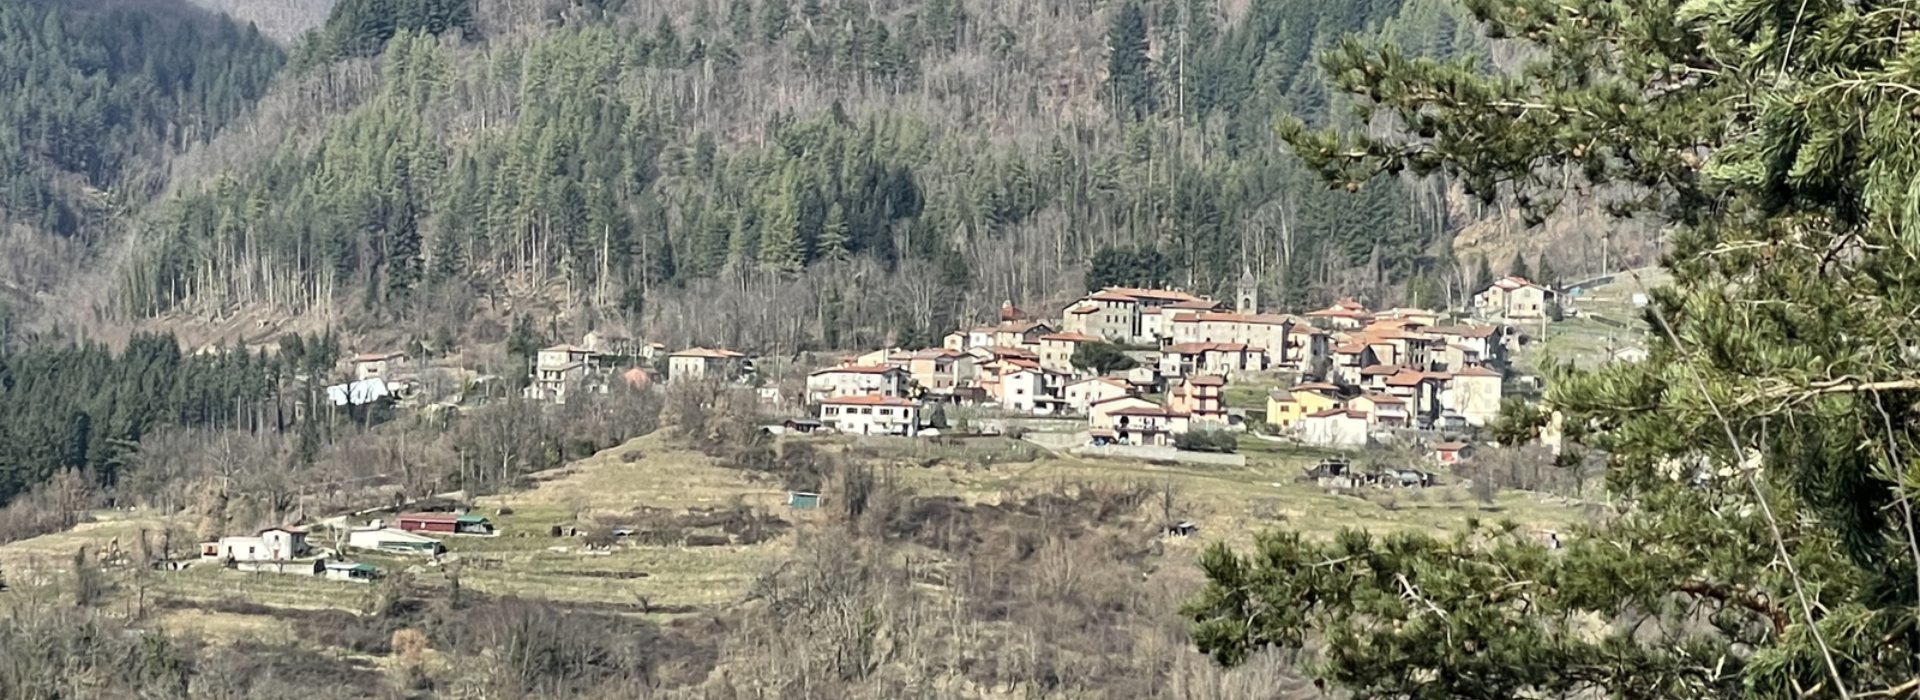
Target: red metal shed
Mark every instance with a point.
(428, 522)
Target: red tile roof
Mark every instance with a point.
(1196, 348)
(1158, 294)
(1229, 317)
(1159, 411)
(857, 369)
(870, 400)
(1346, 412)
(1450, 446)
(1378, 370)
(1071, 337)
(1003, 351)
(1194, 304)
(1406, 377)
(721, 353)
(1343, 309)
(1475, 371)
(1208, 380)
(1009, 312)
(1382, 398)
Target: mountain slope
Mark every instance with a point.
(774, 175)
(282, 20)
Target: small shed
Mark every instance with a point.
(1451, 452)
(803, 499)
(1410, 478)
(427, 522)
(1327, 468)
(464, 524)
(801, 425)
(350, 571)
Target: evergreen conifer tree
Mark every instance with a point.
(1482, 275)
(1762, 456)
(780, 247)
(1130, 85)
(833, 234)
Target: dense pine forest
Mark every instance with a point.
(89, 93)
(771, 174)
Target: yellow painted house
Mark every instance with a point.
(1286, 408)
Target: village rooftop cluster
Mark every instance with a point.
(1336, 377)
(1349, 371)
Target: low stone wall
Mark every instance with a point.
(1169, 454)
(1058, 441)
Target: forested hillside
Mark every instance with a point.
(87, 92)
(782, 175)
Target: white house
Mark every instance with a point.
(719, 364)
(271, 544)
(1029, 390)
(1512, 297)
(611, 343)
(1335, 427)
(871, 414)
(884, 380)
(1086, 392)
(1473, 392)
(377, 364)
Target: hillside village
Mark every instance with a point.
(1138, 367)
(1156, 374)
(1135, 368)
(1145, 367)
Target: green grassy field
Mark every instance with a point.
(649, 477)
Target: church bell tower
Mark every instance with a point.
(1247, 293)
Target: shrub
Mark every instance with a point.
(1219, 441)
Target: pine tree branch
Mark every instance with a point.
(1760, 499)
(1743, 597)
(1903, 690)
(1839, 385)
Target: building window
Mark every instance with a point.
(886, 411)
